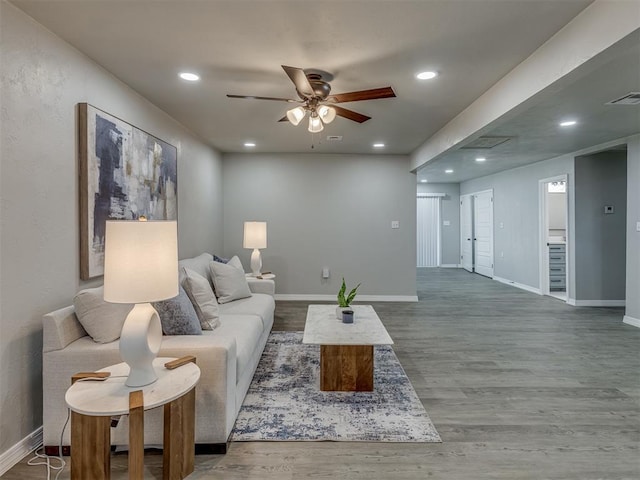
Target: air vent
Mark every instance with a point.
(334, 138)
(632, 98)
(486, 142)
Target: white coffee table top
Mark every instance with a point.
(323, 328)
(111, 396)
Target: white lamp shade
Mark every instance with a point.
(315, 124)
(141, 261)
(295, 115)
(255, 235)
(326, 113)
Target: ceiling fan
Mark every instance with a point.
(316, 99)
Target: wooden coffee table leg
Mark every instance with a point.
(136, 435)
(346, 368)
(90, 447)
(179, 437)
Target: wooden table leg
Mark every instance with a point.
(346, 368)
(179, 437)
(136, 435)
(90, 447)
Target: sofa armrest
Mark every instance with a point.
(258, 285)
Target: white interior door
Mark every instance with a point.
(483, 233)
(428, 230)
(466, 232)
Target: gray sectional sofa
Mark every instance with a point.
(227, 357)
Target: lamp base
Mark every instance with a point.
(140, 343)
(256, 262)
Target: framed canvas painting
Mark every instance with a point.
(125, 173)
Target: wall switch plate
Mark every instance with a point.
(501, 225)
(395, 224)
(325, 272)
(608, 209)
(637, 226)
(446, 223)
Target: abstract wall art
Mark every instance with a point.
(125, 173)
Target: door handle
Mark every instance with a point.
(468, 239)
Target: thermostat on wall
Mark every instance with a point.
(608, 209)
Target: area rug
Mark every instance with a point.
(284, 401)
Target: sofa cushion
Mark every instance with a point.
(102, 320)
(246, 329)
(177, 315)
(229, 282)
(258, 304)
(199, 264)
(202, 297)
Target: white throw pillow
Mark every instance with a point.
(229, 281)
(102, 320)
(201, 295)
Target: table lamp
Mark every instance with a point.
(140, 266)
(255, 236)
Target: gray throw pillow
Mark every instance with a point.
(102, 320)
(202, 297)
(177, 315)
(229, 281)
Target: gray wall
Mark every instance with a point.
(449, 210)
(633, 236)
(600, 240)
(43, 79)
(516, 206)
(326, 211)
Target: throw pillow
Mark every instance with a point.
(177, 315)
(102, 320)
(220, 259)
(229, 281)
(201, 295)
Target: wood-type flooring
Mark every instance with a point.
(519, 386)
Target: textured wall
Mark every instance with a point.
(600, 239)
(326, 211)
(43, 79)
(515, 206)
(449, 210)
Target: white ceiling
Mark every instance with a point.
(238, 46)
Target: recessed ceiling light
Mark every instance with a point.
(423, 181)
(568, 123)
(249, 144)
(448, 171)
(426, 75)
(481, 159)
(378, 145)
(190, 77)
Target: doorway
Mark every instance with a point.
(428, 230)
(466, 232)
(554, 227)
(483, 233)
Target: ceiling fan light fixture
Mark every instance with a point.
(327, 113)
(295, 115)
(315, 124)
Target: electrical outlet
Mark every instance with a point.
(637, 226)
(501, 254)
(325, 272)
(395, 224)
(501, 225)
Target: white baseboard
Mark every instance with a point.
(20, 450)
(631, 321)
(451, 265)
(521, 286)
(332, 298)
(596, 303)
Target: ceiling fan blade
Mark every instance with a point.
(350, 114)
(300, 80)
(372, 94)
(253, 97)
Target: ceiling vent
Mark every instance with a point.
(632, 98)
(486, 142)
(334, 138)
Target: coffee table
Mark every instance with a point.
(346, 349)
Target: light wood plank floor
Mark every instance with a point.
(519, 386)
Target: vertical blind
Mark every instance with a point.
(428, 230)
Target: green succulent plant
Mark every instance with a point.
(346, 301)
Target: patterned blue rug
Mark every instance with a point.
(284, 401)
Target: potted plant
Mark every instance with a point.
(344, 302)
